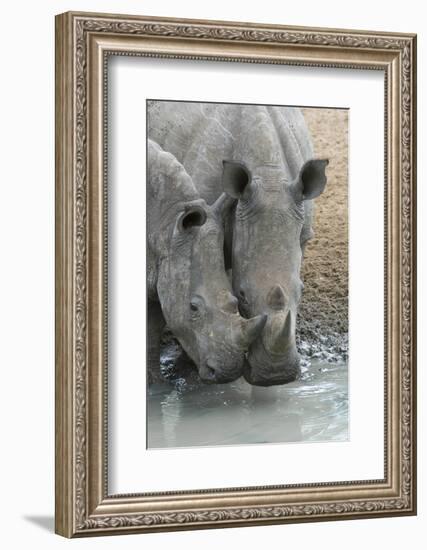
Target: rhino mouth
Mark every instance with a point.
(278, 380)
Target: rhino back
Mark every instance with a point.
(202, 135)
(294, 137)
(195, 135)
(297, 147)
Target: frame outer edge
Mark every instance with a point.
(414, 256)
(64, 237)
(72, 399)
(413, 138)
(150, 19)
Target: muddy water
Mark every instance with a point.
(314, 408)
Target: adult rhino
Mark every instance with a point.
(187, 285)
(263, 157)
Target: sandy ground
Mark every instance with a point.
(324, 308)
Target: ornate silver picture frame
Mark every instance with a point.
(84, 504)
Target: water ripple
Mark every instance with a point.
(314, 408)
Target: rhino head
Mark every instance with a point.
(186, 239)
(269, 236)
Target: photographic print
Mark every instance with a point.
(247, 274)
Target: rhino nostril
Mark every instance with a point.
(210, 370)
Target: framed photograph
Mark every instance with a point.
(235, 274)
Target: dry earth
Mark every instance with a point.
(324, 308)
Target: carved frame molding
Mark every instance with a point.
(83, 43)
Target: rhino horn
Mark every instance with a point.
(276, 298)
(280, 338)
(251, 329)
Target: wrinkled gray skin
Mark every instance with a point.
(187, 284)
(269, 168)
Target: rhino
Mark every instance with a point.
(187, 285)
(262, 157)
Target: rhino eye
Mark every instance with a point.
(242, 296)
(196, 306)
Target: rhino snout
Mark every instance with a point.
(262, 369)
(273, 359)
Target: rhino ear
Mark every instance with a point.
(235, 178)
(312, 179)
(194, 216)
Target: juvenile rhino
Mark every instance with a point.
(263, 157)
(187, 284)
